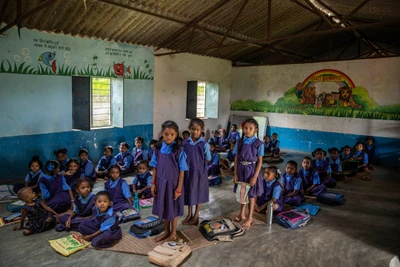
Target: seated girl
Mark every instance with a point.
(105, 162)
(217, 139)
(228, 163)
(40, 217)
(360, 156)
(118, 188)
(87, 165)
(213, 165)
(62, 158)
(138, 152)
(102, 229)
(321, 165)
(334, 160)
(142, 181)
(273, 191)
(151, 149)
(56, 192)
(311, 182)
(83, 205)
(275, 145)
(267, 146)
(73, 174)
(32, 178)
(124, 159)
(372, 152)
(292, 184)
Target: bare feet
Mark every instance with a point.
(194, 220)
(247, 224)
(171, 237)
(26, 232)
(187, 219)
(239, 218)
(161, 237)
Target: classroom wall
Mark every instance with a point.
(273, 85)
(170, 85)
(36, 101)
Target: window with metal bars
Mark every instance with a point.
(101, 102)
(202, 100)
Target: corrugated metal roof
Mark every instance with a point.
(169, 24)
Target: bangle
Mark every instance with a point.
(153, 182)
(72, 200)
(177, 191)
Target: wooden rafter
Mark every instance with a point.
(345, 18)
(234, 20)
(193, 22)
(206, 33)
(26, 15)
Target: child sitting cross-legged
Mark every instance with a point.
(102, 230)
(118, 188)
(40, 217)
(273, 191)
(310, 179)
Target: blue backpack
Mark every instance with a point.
(214, 180)
(331, 198)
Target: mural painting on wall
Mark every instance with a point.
(347, 100)
(40, 53)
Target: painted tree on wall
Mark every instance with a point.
(348, 101)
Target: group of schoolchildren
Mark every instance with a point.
(180, 170)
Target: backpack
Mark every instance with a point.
(331, 198)
(293, 219)
(169, 254)
(222, 230)
(147, 227)
(128, 215)
(214, 180)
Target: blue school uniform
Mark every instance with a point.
(125, 161)
(233, 136)
(213, 165)
(119, 192)
(275, 146)
(292, 183)
(149, 153)
(272, 189)
(63, 165)
(324, 169)
(105, 163)
(217, 140)
(169, 164)
(336, 165)
(267, 147)
(107, 223)
(345, 157)
(362, 154)
(373, 154)
(141, 181)
(55, 192)
(88, 167)
(139, 154)
(309, 178)
(32, 179)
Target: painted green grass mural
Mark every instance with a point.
(138, 73)
(290, 104)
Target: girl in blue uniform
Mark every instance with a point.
(321, 165)
(150, 152)
(169, 166)
(138, 152)
(73, 173)
(273, 191)
(102, 230)
(119, 191)
(275, 145)
(105, 162)
(310, 179)
(334, 160)
(142, 181)
(372, 152)
(360, 155)
(213, 165)
(217, 139)
(87, 165)
(249, 150)
(267, 145)
(196, 178)
(233, 134)
(292, 185)
(124, 159)
(83, 206)
(56, 192)
(62, 158)
(32, 178)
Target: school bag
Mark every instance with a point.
(128, 215)
(170, 254)
(15, 206)
(214, 180)
(293, 219)
(224, 229)
(147, 227)
(331, 198)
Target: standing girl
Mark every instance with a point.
(169, 166)
(55, 191)
(292, 185)
(73, 174)
(249, 151)
(124, 159)
(83, 205)
(196, 178)
(32, 178)
(273, 191)
(105, 162)
(118, 188)
(62, 158)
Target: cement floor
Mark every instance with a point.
(363, 232)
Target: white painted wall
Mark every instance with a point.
(379, 76)
(170, 82)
